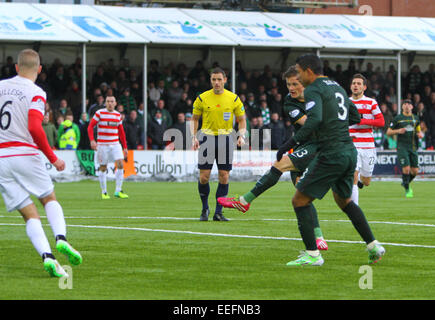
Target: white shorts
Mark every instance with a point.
(22, 176)
(107, 153)
(366, 161)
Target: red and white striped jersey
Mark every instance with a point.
(362, 135)
(107, 126)
(18, 95)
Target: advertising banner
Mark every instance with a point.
(166, 25)
(334, 31)
(408, 32)
(387, 163)
(251, 28)
(21, 21)
(73, 169)
(90, 23)
(182, 165)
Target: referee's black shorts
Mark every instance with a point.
(218, 148)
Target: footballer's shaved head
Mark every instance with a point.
(28, 60)
(28, 64)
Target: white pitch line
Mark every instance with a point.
(227, 235)
(235, 219)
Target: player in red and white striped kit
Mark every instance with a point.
(362, 133)
(109, 132)
(22, 167)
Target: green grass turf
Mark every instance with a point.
(147, 263)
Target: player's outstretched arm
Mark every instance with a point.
(242, 130)
(285, 147)
(194, 130)
(123, 140)
(91, 126)
(392, 132)
(59, 164)
(38, 134)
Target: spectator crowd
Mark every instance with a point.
(173, 88)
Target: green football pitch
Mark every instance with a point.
(153, 247)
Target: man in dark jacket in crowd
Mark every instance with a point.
(156, 129)
(132, 130)
(84, 143)
(278, 131)
(181, 126)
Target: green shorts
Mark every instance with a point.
(329, 170)
(303, 155)
(406, 157)
(301, 158)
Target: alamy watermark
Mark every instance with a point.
(66, 282)
(218, 147)
(365, 10)
(366, 280)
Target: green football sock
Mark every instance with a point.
(411, 177)
(317, 231)
(306, 226)
(359, 221)
(405, 181)
(268, 180)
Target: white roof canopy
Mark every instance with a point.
(251, 28)
(109, 24)
(23, 22)
(166, 26)
(408, 32)
(334, 31)
(90, 23)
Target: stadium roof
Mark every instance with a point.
(409, 33)
(334, 31)
(23, 22)
(166, 26)
(90, 23)
(251, 28)
(105, 24)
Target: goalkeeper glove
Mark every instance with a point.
(285, 147)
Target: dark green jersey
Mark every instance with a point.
(329, 114)
(295, 110)
(407, 140)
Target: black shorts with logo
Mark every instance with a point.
(218, 148)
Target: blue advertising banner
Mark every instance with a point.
(23, 22)
(387, 163)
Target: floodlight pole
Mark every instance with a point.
(233, 69)
(145, 94)
(84, 78)
(399, 82)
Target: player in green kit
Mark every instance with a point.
(329, 114)
(295, 162)
(407, 128)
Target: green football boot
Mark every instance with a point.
(304, 259)
(376, 253)
(74, 257)
(53, 268)
(121, 195)
(105, 196)
(409, 193)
